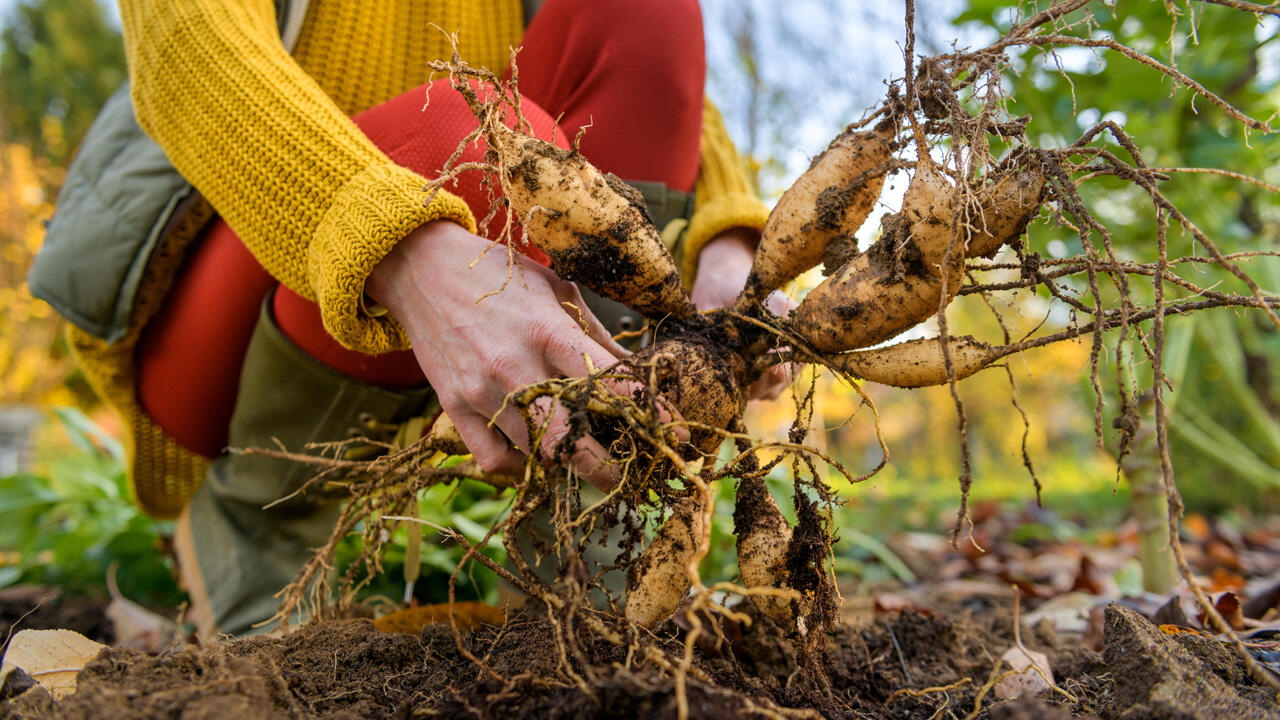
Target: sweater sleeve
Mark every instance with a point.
(723, 196)
(309, 194)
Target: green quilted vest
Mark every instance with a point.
(120, 196)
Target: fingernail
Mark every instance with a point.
(682, 433)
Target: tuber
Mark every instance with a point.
(896, 283)
(829, 201)
(916, 363)
(763, 537)
(594, 227)
(659, 579)
(596, 231)
(702, 380)
(1005, 206)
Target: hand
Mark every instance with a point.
(475, 353)
(723, 266)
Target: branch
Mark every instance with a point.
(1177, 75)
(1259, 8)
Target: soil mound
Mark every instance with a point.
(913, 664)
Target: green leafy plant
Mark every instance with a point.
(469, 509)
(65, 527)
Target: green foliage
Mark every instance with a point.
(68, 526)
(59, 60)
(1225, 422)
(470, 509)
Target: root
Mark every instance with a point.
(953, 110)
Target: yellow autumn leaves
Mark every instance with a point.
(32, 367)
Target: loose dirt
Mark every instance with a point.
(909, 664)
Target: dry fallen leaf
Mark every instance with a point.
(1228, 606)
(469, 615)
(1032, 674)
(52, 658)
(1067, 613)
(135, 626)
(1032, 677)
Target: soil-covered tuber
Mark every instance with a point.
(763, 537)
(593, 226)
(897, 282)
(829, 201)
(659, 579)
(1005, 206)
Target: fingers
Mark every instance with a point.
(566, 356)
(588, 457)
(771, 384)
(723, 265)
(570, 353)
(774, 380)
(779, 303)
(487, 445)
(574, 304)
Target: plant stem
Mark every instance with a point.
(1150, 506)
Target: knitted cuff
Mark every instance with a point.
(726, 211)
(373, 211)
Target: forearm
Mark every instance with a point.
(307, 192)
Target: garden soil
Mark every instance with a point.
(914, 663)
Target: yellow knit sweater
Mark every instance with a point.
(266, 137)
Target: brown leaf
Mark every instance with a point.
(1196, 527)
(1089, 579)
(1032, 674)
(1223, 580)
(1228, 606)
(469, 615)
(1220, 554)
(52, 658)
(1094, 634)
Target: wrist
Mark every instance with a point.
(396, 278)
(731, 248)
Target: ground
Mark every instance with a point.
(349, 669)
(924, 650)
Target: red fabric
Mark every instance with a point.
(632, 71)
(188, 359)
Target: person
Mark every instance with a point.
(327, 297)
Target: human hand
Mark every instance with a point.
(475, 353)
(723, 266)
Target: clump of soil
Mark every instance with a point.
(348, 669)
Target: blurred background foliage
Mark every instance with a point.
(787, 78)
(60, 61)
